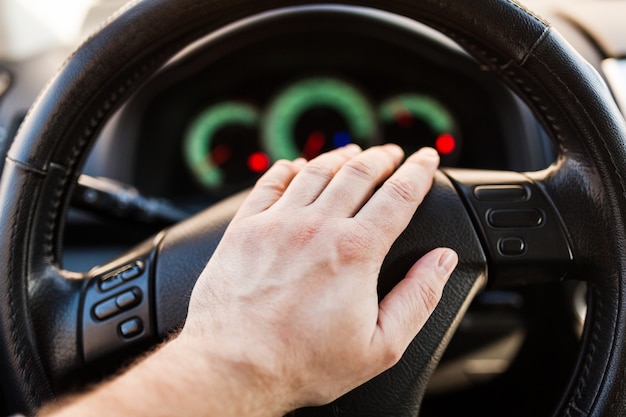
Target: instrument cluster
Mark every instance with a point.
(229, 144)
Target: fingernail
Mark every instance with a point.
(428, 157)
(448, 261)
(429, 153)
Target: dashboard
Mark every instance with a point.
(303, 81)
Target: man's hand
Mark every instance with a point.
(286, 312)
(292, 286)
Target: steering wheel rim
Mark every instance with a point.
(564, 92)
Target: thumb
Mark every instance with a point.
(405, 310)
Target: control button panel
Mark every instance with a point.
(117, 309)
(519, 226)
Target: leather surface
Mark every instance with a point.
(562, 90)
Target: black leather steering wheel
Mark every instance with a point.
(568, 219)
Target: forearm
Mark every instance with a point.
(179, 380)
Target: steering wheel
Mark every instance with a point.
(535, 227)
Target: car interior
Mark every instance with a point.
(126, 159)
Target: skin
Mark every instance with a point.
(286, 312)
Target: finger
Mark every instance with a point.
(270, 187)
(390, 209)
(405, 310)
(315, 176)
(355, 182)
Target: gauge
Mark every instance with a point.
(414, 121)
(316, 115)
(222, 148)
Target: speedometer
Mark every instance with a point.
(315, 115)
(222, 147)
(414, 120)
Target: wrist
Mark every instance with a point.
(234, 381)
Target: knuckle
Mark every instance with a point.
(402, 189)
(352, 246)
(270, 185)
(319, 170)
(360, 169)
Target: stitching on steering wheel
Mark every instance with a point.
(54, 210)
(556, 129)
(528, 12)
(588, 357)
(512, 75)
(596, 327)
(15, 334)
(592, 121)
(94, 124)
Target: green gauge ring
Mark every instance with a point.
(280, 123)
(422, 107)
(199, 139)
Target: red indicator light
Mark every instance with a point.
(403, 118)
(314, 144)
(220, 154)
(258, 162)
(445, 144)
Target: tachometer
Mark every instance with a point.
(222, 147)
(414, 121)
(315, 115)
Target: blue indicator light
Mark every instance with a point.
(341, 139)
